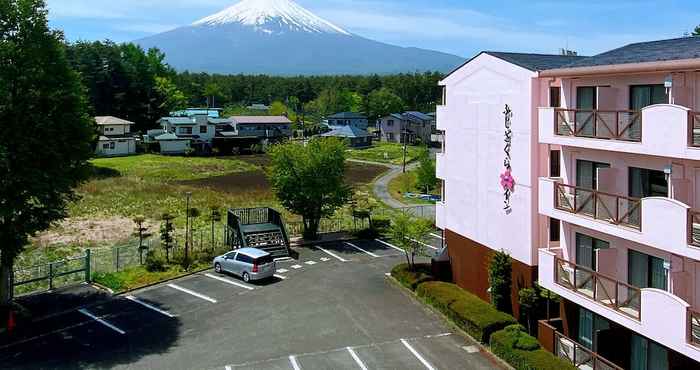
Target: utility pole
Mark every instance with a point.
(405, 140)
(187, 227)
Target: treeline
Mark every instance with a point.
(125, 81)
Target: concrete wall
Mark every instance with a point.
(124, 146)
(174, 146)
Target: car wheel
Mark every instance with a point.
(217, 268)
(246, 277)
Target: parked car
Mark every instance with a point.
(248, 263)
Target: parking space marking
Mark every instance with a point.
(357, 359)
(103, 322)
(310, 262)
(282, 271)
(149, 306)
(227, 281)
(417, 355)
(341, 259)
(390, 245)
(283, 259)
(190, 292)
(296, 267)
(423, 244)
(227, 367)
(295, 364)
(362, 250)
(324, 259)
(436, 235)
(279, 276)
(471, 349)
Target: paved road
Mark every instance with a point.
(381, 191)
(331, 309)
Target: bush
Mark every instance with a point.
(500, 269)
(411, 279)
(469, 312)
(155, 263)
(380, 223)
(523, 352)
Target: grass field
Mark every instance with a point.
(406, 183)
(391, 153)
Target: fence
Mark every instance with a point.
(327, 225)
(52, 275)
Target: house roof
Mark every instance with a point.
(111, 120)
(536, 62)
(211, 112)
(346, 131)
(394, 115)
(644, 52)
(261, 120)
(168, 137)
(347, 115)
(219, 121)
(419, 115)
(179, 120)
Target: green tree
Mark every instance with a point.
(529, 300)
(383, 102)
(172, 99)
(166, 234)
(213, 93)
(425, 175)
(141, 232)
(410, 234)
(696, 31)
(500, 281)
(309, 179)
(47, 135)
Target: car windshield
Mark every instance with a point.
(263, 260)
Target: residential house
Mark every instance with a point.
(414, 127)
(587, 172)
(272, 128)
(115, 138)
(189, 112)
(356, 137)
(180, 134)
(348, 119)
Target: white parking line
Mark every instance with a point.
(436, 235)
(423, 244)
(390, 245)
(103, 322)
(362, 250)
(324, 259)
(227, 281)
(295, 364)
(357, 359)
(282, 271)
(227, 367)
(418, 356)
(279, 276)
(310, 262)
(341, 259)
(296, 267)
(149, 306)
(202, 296)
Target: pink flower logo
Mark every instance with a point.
(507, 181)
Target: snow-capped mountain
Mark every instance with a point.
(280, 37)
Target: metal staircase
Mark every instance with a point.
(261, 228)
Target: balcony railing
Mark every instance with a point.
(615, 209)
(694, 129)
(694, 227)
(621, 297)
(580, 356)
(694, 327)
(599, 124)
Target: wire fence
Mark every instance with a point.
(52, 275)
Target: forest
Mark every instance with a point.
(126, 81)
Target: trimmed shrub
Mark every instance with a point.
(380, 223)
(411, 279)
(469, 312)
(155, 262)
(523, 352)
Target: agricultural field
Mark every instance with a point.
(150, 185)
(391, 153)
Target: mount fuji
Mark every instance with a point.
(279, 37)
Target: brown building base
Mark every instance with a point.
(470, 263)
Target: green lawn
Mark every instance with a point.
(406, 183)
(385, 153)
(158, 168)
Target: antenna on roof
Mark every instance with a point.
(567, 52)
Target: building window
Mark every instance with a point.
(390, 136)
(554, 230)
(443, 191)
(202, 129)
(554, 163)
(186, 130)
(443, 95)
(390, 123)
(105, 146)
(555, 97)
(111, 145)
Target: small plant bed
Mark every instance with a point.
(411, 279)
(523, 352)
(391, 153)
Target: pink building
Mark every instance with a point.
(604, 152)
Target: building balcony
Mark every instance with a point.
(564, 347)
(440, 215)
(441, 117)
(663, 223)
(664, 130)
(656, 314)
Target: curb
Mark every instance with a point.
(482, 347)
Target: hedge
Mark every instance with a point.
(469, 312)
(411, 279)
(523, 352)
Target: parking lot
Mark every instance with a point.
(332, 308)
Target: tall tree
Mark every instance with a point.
(696, 31)
(383, 102)
(425, 175)
(47, 133)
(308, 179)
(410, 234)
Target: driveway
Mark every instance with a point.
(333, 308)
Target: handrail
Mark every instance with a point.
(615, 209)
(693, 327)
(693, 230)
(579, 355)
(610, 292)
(624, 125)
(693, 129)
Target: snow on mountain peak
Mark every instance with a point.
(271, 16)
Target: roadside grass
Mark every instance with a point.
(406, 183)
(158, 168)
(138, 277)
(383, 152)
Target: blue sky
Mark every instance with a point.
(461, 27)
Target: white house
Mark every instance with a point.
(115, 137)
